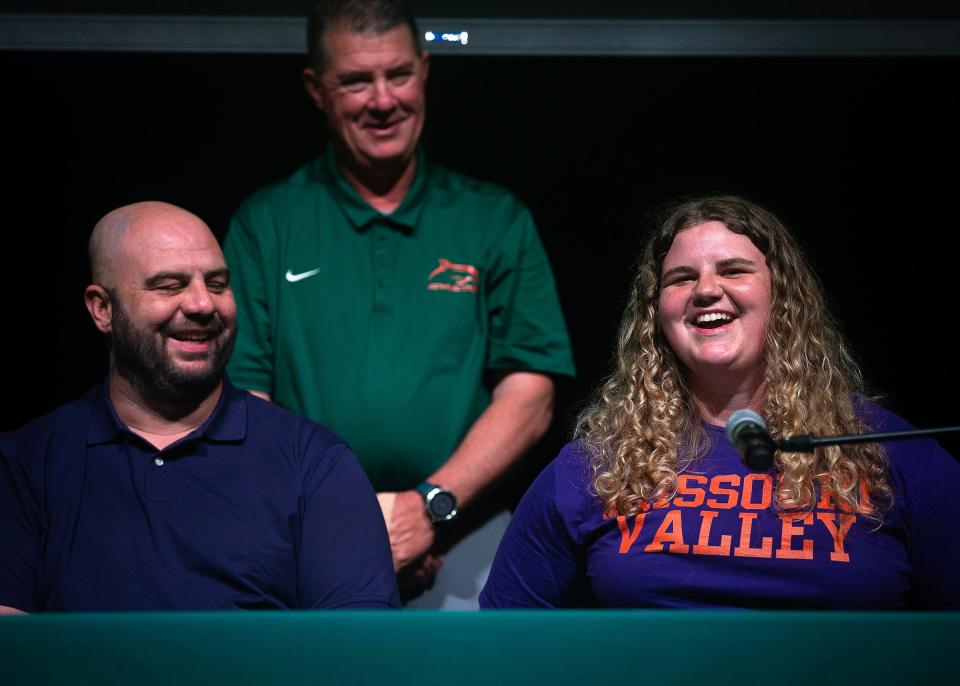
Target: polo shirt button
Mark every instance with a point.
(158, 461)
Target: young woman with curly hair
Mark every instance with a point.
(650, 507)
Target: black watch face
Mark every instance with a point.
(442, 505)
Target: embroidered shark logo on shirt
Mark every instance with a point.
(448, 276)
(293, 278)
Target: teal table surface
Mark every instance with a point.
(528, 647)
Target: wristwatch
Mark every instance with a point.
(441, 504)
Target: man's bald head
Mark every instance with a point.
(162, 293)
(107, 242)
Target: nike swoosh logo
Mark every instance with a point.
(293, 278)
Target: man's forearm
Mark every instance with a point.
(519, 414)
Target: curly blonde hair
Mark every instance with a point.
(642, 429)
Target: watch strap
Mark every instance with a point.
(425, 488)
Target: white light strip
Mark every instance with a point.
(556, 37)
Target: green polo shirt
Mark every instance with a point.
(381, 326)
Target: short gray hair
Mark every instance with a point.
(357, 16)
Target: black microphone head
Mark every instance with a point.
(747, 432)
(758, 454)
(740, 420)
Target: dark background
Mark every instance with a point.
(548, 9)
(858, 156)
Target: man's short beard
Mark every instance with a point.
(138, 357)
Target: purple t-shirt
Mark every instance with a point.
(720, 543)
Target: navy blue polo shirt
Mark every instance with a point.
(257, 508)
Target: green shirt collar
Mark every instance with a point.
(361, 214)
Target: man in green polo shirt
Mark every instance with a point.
(406, 306)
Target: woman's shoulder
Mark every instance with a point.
(915, 462)
(572, 466)
(878, 418)
(565, 484)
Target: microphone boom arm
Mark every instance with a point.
(807, 444)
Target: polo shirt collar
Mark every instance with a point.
(361, 214)
(227, 422)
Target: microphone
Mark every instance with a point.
(747, 432)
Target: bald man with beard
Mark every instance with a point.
(165, 487)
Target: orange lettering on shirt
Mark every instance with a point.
(670, 532)
(703, 546)
(791, 527)
(828, 502)
(826, 499)
(716, 487)
(766, 492)
(746, 528)
(829, 521)
(686, 489)
(627, 537)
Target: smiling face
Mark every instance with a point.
(371, 89)
(173, 318)
(714, 302)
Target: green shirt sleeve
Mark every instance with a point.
(247, 248)
(527, 330)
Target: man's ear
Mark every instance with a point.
(99, 306)
(311, 83)
(425, 64)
